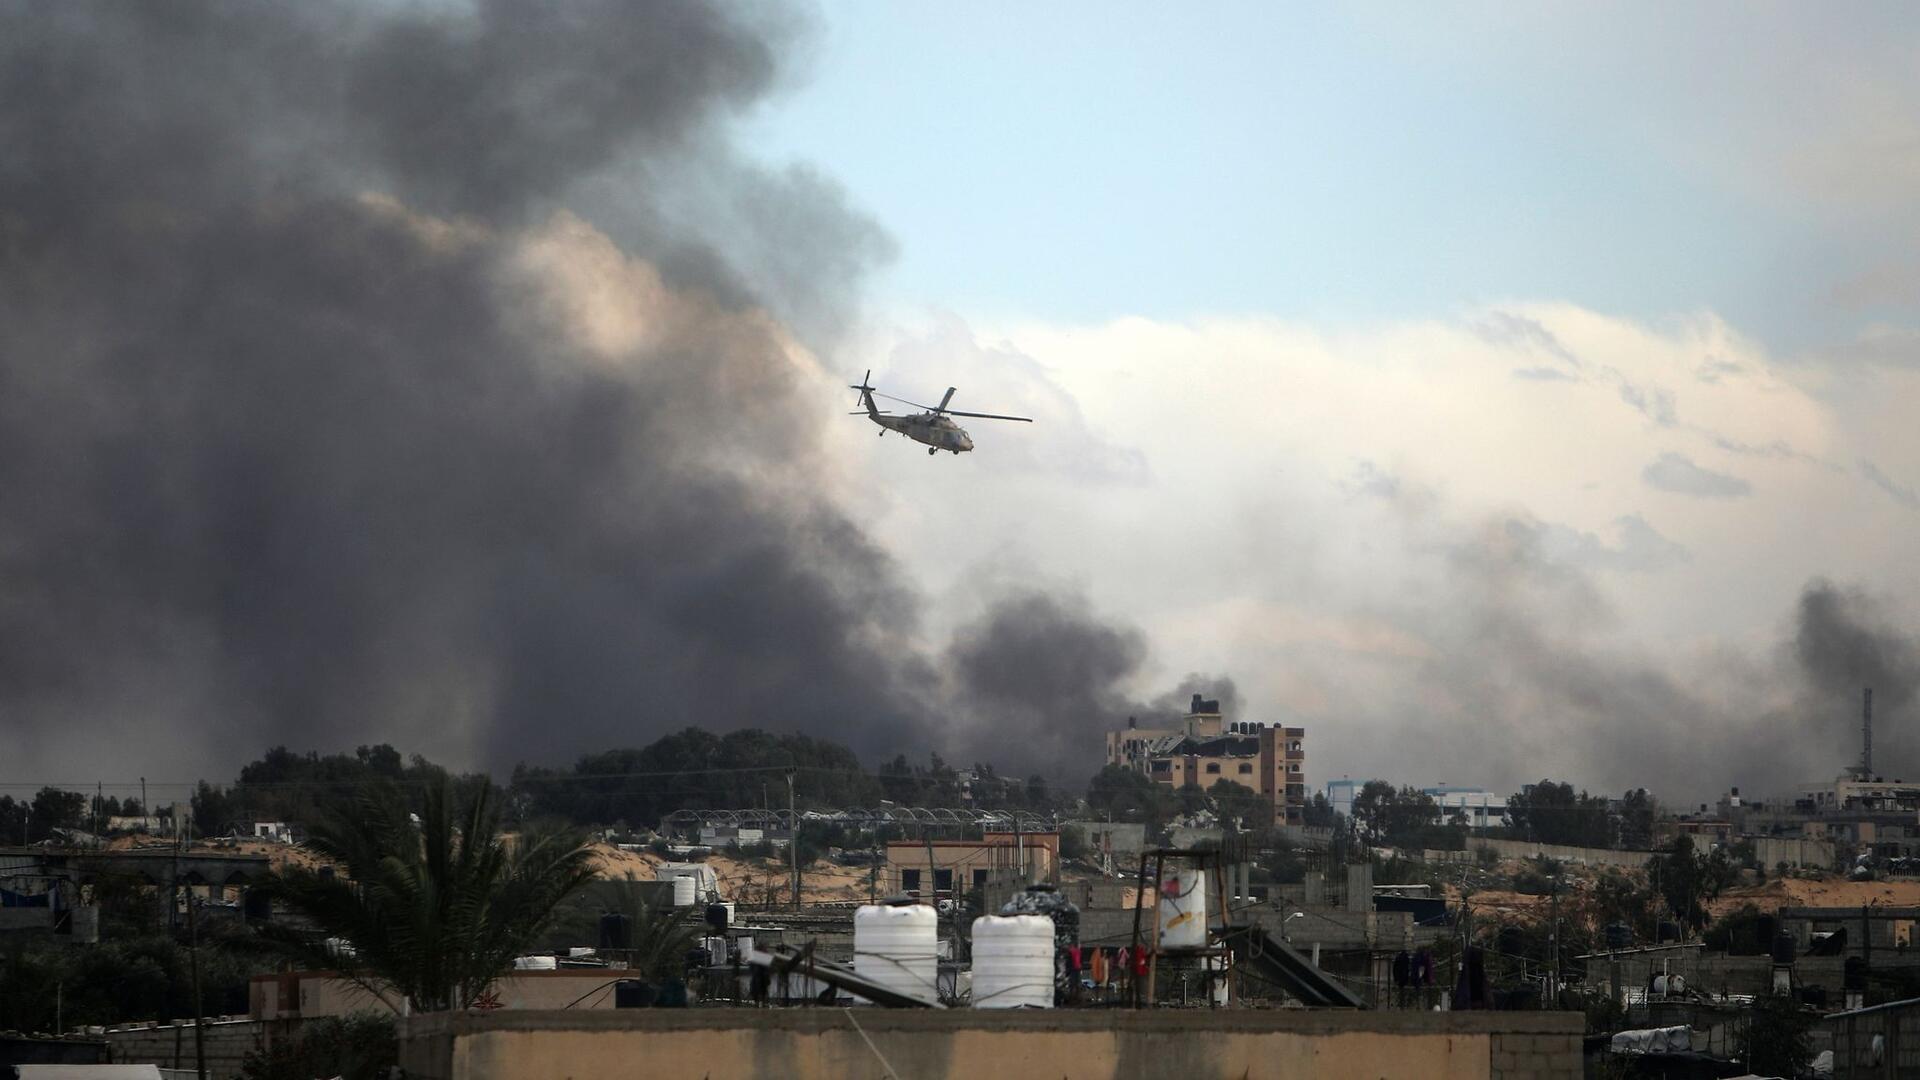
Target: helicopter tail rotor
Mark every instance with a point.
(865, 400)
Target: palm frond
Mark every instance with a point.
(435, 911)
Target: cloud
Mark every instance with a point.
(1677, 473)
(1545, 374)
(1653, 402)
(1900, 493)
(1509, 330)
(1384, 535)
(1639, 547)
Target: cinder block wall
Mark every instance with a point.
(171, 1045)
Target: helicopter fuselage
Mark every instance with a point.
(937, 432)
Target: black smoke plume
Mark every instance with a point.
(440, 375)
(1846, 641)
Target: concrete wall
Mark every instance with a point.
(171, 1045)
(1771, 851)
(1123, 839)
(1526, 849)
(306, 995)
(832, 1044)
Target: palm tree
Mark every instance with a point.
(434, 908)
(659, 936)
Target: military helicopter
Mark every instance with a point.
(934, 427)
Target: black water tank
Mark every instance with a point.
(634, 994)
(1619, 935)
(616, 931)
(717, 916)
(1785, 948)
(1853, 976)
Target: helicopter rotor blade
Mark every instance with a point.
(989, 416)
(903, 401)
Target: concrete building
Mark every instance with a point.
(1206, 748)
(1482, 808)
(1112, 844)
(915, 866)
(1342, 792)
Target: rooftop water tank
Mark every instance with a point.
(683, 891)
(1012, 961)
(1183, 908)
(894, 946)
(534, 963)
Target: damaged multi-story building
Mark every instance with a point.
(1205, 748)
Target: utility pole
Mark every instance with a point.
(793, 842)
(193, 960)
(1553, 985)
(1020, 846)
(145, 810)
(199, 1010)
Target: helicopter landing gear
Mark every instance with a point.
(932, 450)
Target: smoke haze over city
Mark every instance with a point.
(471, 377)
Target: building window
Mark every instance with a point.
(943, 881)
(1293, 766)
(979, 879)
(1162, 766)
(1246, 767)
(1213, 766)
(910, 881)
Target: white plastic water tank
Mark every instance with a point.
(1012, 961)
(534, 963)
(1183, 908)
(894, 946)
(683, 890)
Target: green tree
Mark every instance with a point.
(13, 820)
(435, 910)
(1637, 810)
(1319, 812)
(56, 809)
(359, 1046)
(1685, 880)
(1403, 817)
(694, 768)
(659, 936)
(1121, 792)
(1553, 813)
(1073, 842)
(1231, 799)
(1775, 1041)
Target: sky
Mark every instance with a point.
(1304, 294)
(1365, 163)
(1498, 393)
